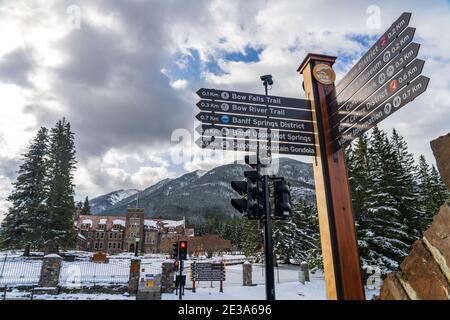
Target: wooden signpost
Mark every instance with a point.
(386, 78)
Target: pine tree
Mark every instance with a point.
(298, 238)
(361, 184)
(384, 229)
(252, 238)
(406, 189)
(86, 209)
(432, 191)
(59, 221)
(22, 224)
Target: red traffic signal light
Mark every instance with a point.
(183, 250)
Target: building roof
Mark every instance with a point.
(109, 221)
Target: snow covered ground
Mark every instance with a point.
(86, 274)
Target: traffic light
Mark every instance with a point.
(251, 189)
(175, 250)
(282, 196)
(183, 250)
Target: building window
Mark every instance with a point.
(101, 245)
(114, 245)
(96, 245)
(102, 235)
(110, 235)
(109, 245)
(101, 226)
(119, 245)
(116, 227)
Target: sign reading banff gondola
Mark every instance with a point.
(238, 120)
(385, 79)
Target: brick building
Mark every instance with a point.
(114, 234)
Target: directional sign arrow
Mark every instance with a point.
(381, 61)
(254, 110)
(387, 73)
(254, 122)
(244, 97)
(243, 145)
(400, 99)
(344, 119)
(256, 134)
(398, 26)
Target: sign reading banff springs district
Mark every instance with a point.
(385, 79)
(237, 120)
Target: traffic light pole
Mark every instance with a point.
(180, 284)
(268, 241)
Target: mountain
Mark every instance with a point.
(201, 193)
(101, 203)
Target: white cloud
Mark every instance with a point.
(130, 150)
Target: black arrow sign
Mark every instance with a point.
(386, 74)
(400, 99)
(366, 106)
(253, 98)
(383, 59)
(254, 110)
(398, 26)
(244, 145)
(254, 122)
(256, 134)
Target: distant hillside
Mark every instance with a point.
(202, 193)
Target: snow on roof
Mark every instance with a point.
(102, 221)
(81, 236)
(150, 223)
(172, 223)
(87, 221)
(119, 221)
(52, 255)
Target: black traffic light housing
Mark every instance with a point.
(175, 250)
(182, 250)
(282, 199)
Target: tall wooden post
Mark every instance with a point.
(337, 228)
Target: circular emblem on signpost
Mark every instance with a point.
(225, 119)
(225, 95)
(387, 108)
(224, 106)
(397, 101)
(324, 73)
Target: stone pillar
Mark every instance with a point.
(167, 284)
(305, 269)
(135, 272)
(247, 273)
(150, 289)
(51, 266)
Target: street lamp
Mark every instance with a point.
(136, 246)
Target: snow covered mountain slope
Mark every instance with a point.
(200, 193)
(106, 201)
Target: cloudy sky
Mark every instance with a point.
(125, 73)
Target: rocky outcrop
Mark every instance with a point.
(425, 272)
(441, 151)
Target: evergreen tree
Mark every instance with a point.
(361, 184)
(432, 191)
(59, 221)
(79, 205)
(252, 238)
(385, 232)
(298, 238)
(406, 189)
(22, 224)
(86, 209)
